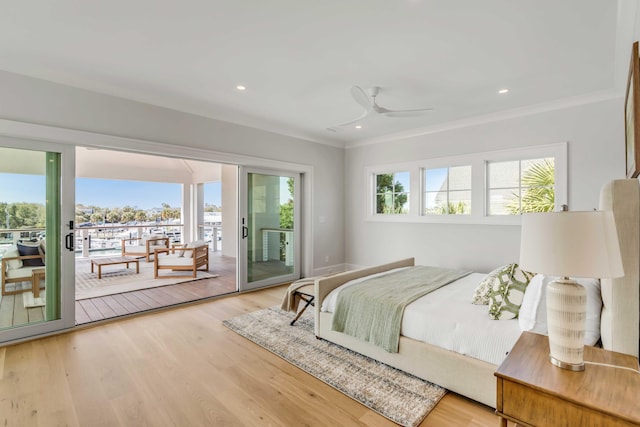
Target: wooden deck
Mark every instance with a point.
(13, 313)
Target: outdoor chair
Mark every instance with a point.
(144, 246)
(21, 263)
(187, 258)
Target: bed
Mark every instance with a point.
(457, 365)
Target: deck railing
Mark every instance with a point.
(108, 237)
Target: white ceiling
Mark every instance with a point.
(299, 59)
(107, 164)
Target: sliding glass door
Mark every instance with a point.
(269, 228)
(36, 210)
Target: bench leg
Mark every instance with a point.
(309, 302)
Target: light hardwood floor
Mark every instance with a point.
(181, 367)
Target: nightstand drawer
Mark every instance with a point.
(531, 391)
(536, 408)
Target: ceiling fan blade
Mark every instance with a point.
(404, 113)
(365, 115)
(361, 97)
(355, 120)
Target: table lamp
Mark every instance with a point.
(569, 244)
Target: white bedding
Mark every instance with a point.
(446, 318)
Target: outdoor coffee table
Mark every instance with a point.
(36, 276)
(114, 261)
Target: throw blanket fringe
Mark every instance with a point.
(372, 310)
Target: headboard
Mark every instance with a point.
(620, 320)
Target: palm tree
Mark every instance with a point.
(538, 194)
(453, 208)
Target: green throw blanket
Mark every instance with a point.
(372, 310)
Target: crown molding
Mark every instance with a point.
(530, 110)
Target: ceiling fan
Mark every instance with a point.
(368, 102)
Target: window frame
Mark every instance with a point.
(423, 170)
(372, 173)
(394, 194)
(479, 184)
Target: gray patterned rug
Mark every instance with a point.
(396, 395)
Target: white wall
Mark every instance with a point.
(229, 210)
(40, 102)
(595, 136)
(339, 232)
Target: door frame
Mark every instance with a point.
(243, 208)
(67, 258)
(75, 137)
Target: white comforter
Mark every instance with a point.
(446, 318)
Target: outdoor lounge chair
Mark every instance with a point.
(187, 258)
(144, 246)
(19, 264)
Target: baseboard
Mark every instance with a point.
(350, 267)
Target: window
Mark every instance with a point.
(479, 188)
(392, 193)
(520, 186)
(447, 191)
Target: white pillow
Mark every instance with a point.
(194, 244)
(153, 243)
(533, 311)
(13, 264)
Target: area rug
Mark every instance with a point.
(117, 279)
(396, 395)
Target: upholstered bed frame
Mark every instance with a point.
(474, 378)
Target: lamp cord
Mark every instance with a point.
(613, 366)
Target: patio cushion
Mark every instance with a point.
(194, 244)
(21, 272)
(142, 248)
(174, 260)
(137, 249)
(30, 249)
(13, 264)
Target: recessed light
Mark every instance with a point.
(358, 126)
(241, 88)
(503, 91)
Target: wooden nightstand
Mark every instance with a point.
(533, 392)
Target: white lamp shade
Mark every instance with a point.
(571, 244)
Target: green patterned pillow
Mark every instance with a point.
(481, 294)
(507, 291)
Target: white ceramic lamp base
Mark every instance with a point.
(566, 318)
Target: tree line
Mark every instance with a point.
(126, 214)
(22, 215)
(33, 215)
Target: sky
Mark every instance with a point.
(103, 192)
